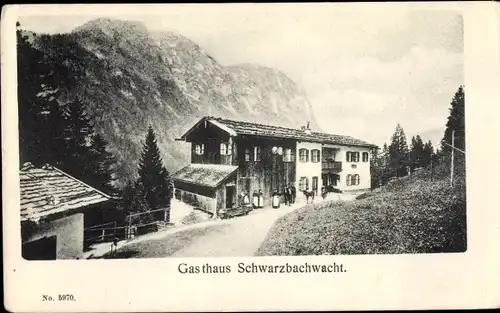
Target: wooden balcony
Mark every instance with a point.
(331, 166)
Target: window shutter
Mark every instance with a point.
(348, 156)
(348, 180)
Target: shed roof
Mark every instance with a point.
(255, 129)
(48, 190)
(211, 175)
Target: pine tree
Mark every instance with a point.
(101, 163)
(456, 122)
(153, 176)
(77, 132)
(398, 152)
(36, 101)
(428, 153)
(416, 152)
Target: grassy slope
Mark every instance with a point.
(166, 246)
(412, 215)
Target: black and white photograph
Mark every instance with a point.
(240, 133)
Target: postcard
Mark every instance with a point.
(249, 157)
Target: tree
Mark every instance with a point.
(456, 122)
(37, 102)
(153, 176)
(428, 153)
(398, 152)
(77, 133)
(101, 163)
(416, 152)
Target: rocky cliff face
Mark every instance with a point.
(134, 77)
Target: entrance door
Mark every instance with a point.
(315, 184)
(41, 249)
(230, 193)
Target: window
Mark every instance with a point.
(315, 155)
(256, 154)
(303, 155)
(247, 155)
(225, 148)
(365, 156)
(355, 156)
(303, 184)
(352, 156)
(199, 149)
(352, 180)
(287, 156)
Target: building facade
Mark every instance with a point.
(55, 209)
(231, 158)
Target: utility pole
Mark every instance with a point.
(452, 155)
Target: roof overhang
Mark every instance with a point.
(204, 122)
(208, 175)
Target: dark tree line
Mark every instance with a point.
(396, 159)
(62, 134)
(50, 132)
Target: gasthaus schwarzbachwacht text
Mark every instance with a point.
(243, 268)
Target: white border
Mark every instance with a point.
(467, 280)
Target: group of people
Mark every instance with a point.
(290, 193)
(257, 201)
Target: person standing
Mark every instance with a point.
(255, 199)
(261, 199)
(275, 199)
(286, 195)
(293, 193)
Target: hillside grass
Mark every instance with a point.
(411, 215)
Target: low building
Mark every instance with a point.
(55, 208)
(230, 157)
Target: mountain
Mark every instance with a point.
(132, 77)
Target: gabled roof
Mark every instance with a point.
(210, 175)
(48, 190)
(254, 129)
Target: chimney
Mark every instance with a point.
(306, 128)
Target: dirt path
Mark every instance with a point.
(242, 238)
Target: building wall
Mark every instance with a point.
(197, 196)
(69, 235)
(211, 138)
(307, 169)
(361, 168)
(271, 172)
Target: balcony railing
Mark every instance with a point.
(331, 165)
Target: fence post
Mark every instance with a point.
(129, 226)
(452, 155)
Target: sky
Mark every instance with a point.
(363, 71)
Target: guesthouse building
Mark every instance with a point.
(230, 158)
